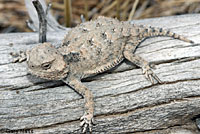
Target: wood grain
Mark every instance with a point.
(125, 102)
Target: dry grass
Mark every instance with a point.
(13, 12)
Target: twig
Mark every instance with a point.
(52, 24)
(30, 25)
(68, 13)
(86, 10)
(57, 6)
(42, 21)
(95, 11)
(48, 8)
(108, 8)
(141, 9)
(133, 10)
(124, 9)
(118, 9)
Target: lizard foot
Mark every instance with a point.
(149, 74)
(87, 121)
(19, 57)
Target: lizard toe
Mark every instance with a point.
(150, 75)
(86, 122)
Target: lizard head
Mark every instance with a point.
(47, 62)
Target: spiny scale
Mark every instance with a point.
(106, 67)
(153, 32)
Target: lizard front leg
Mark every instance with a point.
(87, 118)
(19, 57)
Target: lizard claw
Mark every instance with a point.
(149, 74)
(87, 121)
(18, 57)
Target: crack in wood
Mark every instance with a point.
(131, 111)
(123, 106)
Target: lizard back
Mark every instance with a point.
(98, 43)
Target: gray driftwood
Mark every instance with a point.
(124, 100)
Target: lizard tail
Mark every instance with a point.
(153, 32)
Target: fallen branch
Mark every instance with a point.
(125, 102)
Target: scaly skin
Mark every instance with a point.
(91, 48)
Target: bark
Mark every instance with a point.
(124, 100)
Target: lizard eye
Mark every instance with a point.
(46, 66)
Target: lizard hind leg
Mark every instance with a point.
(139, 61)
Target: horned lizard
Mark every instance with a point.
(92, 48)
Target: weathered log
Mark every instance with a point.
(124, 100)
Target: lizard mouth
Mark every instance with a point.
(50, 75)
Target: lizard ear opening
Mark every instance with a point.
(72, 57)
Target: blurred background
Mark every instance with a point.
(13, 13)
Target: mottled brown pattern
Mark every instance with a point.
(91, 48)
